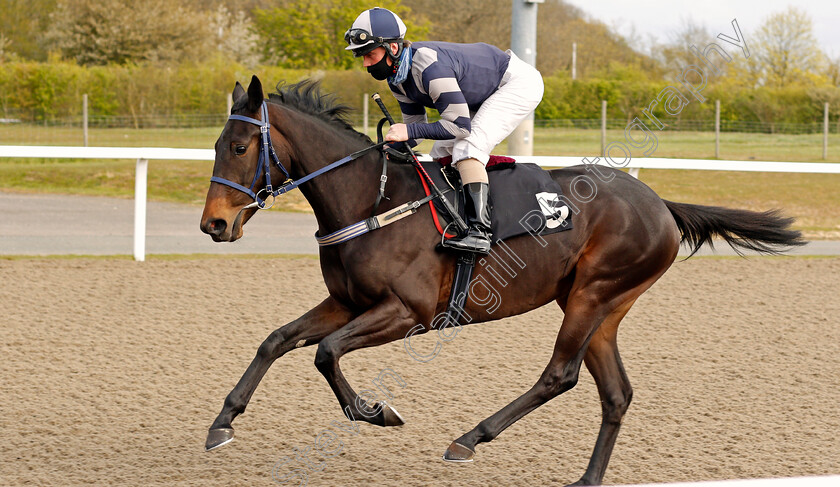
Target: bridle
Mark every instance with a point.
(269, 156)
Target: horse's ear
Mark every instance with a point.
(255, 94)
(238, 91)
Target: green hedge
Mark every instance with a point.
(46, 91)
(581, 99)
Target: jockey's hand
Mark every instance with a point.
(397, 133)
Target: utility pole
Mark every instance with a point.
(523, 42)
(574, 60)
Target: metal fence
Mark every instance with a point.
(29, 118)
(123, 121)
(697, 126)
(199, 120)
(18, 127)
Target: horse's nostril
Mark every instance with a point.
(216, 227)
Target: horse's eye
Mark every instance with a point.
(240, 149)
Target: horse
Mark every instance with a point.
(390, 284)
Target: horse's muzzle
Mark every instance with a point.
(222, 231)
(216, 228)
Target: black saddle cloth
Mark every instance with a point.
(523, 199)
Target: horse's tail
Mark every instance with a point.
(766, 232)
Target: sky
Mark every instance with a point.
(660, 17)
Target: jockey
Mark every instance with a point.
(481, 92)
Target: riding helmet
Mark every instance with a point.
(374, 28)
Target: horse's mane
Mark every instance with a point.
(306, 97)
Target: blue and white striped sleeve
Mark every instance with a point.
(411, 113)
(441, 85)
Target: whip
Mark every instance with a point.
(456, 218)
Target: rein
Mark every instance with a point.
(268, 156)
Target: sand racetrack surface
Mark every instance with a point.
(112, 371)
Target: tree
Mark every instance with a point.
(558, 25)
(246, 6)
(476, 21)
(124, 31)
(4, 48)
(305, 34)
(598, 46)
(675, 54)
(832, 71)
(786, 50)
(22, 24)
(235, 36)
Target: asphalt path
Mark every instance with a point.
(88, 225)
(38, 224)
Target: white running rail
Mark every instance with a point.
(140, 154)
(143, 154)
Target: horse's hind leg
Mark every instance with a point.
(604, 363)
(584, 312)
(309, 329)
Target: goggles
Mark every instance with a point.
(360, 36)
(362, 42)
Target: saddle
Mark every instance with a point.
(523, 198)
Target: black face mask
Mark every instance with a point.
(380, 71)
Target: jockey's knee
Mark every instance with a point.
(472, 171)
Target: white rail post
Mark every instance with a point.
(140, 209)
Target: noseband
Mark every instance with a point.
(267, 156)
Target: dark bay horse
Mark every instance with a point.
(383, 284)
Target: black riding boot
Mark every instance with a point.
(478, 236)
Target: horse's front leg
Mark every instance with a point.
(387, 321)
(309, 329)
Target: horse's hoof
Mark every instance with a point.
(458, 453)
(218, 437)
(391, 417)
